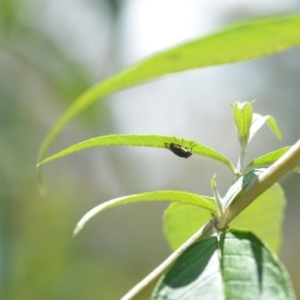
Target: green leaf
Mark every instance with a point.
(259, 121)
(245, 40)
(236, 190)
(267, 159)
(242, 113)
(265, 217)
(176, 196)
(149, 140)
(181, 221)
(235, 266)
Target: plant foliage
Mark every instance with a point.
(226, 264)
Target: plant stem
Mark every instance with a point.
(218, 199)
(278, 169)
(145, 287)
(240, 164)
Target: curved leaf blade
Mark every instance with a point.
(259, 121)
(147, 140)
(176, 196)
(245, 40)
(237, 266)
(267, 159)
(181, 221)
(235, 191)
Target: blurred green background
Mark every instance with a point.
(50, 52)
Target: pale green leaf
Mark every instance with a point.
(181, 221)
(175, 196)
(236, 190)
(148, 140)
(265, 217)
(242, 114)
(235, 265)
(245, 40)
(259, 121)
(266, 159)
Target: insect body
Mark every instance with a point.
(179, 150)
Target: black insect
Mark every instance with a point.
(179, 150)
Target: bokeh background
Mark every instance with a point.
(50, 52)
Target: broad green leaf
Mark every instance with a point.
(181, 221)
(176, 196)
(267, 159)
(265, 217)
(245, 40)
(259, 121)
(236, 190)
(242, 114)
(235, 266)
(158, 141)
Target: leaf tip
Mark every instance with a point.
(213, 181)
(280, 135)
(76, 230)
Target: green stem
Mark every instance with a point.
(145, 287)
(278, 169)
(240, 165)
(218, 199)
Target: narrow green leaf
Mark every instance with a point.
(242, 113)
(237, 266)
(265, 217)
(259, 121)
(176, 196)
(267, 159)
(181, 221)
(245, 40)
(149, 140)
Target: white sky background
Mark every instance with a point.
(152, 25)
